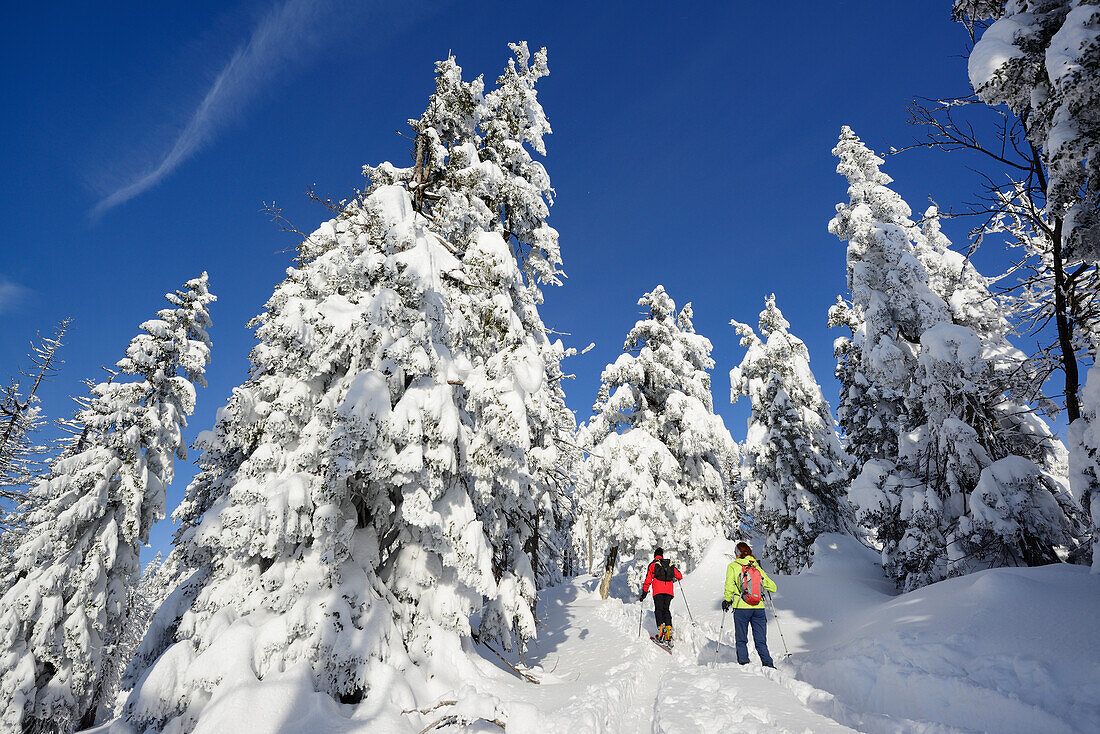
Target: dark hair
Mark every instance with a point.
(658, 551)
(743, 550)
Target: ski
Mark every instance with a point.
(663, 646)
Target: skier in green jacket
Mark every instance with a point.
(747, 602)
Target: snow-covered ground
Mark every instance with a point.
(1005, 650)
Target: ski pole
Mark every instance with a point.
(641, 614)
(716, 647)
(786, 652)
(686, 603)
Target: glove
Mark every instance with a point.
(643, 596)
(725, 605)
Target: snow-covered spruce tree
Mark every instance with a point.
(62, 620)
(797, 474)
(1041, 59)
(472, 169)
(891, 304)
(945, 503)
(22, 457)
(472, 173)
(662, 465)
(390, 468)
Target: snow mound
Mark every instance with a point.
(999, 650)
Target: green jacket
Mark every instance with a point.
(733, 589)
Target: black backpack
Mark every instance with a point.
(663, 570)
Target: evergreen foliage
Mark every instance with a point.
(62, 621)
(796, 472)
(974, 478)
(891, 305)
(22, 456)
(662, 468)
(473, 170)
(1041, 58)
(395, 465)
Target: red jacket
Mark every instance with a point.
(659, 587)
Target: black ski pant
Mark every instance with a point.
(660, 609)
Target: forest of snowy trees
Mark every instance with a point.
(399, 474)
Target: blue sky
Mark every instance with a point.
(691, 148)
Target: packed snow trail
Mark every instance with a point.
(599, 676)
(1006, 650)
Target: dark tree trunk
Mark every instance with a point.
(1065, 327)
(608, 569)
(531, 548)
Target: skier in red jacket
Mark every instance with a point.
(660, 576)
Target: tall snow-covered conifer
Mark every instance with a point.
(1041, 59)
(891, 304)
(62, 621)
(797, 474)
(392, 466)
(22, 457)
(662, 465)
(974, 475)
(473, 172)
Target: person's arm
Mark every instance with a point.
(677, 573)
(648, 580)
(731, 581)
(769, 585)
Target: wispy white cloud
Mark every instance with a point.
(11, 293)
(289, 34)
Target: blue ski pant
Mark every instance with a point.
(742, 620)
